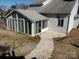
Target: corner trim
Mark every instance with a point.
(67, 24)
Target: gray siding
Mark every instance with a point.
(76, 23)
(53, 25)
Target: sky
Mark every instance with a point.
(8, 3)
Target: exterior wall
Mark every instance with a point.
(28, 27)
(45, 29)
(34, 31)
(53, 25)
(72, 15)
(76, 23)
(19, 17)
(7, 22)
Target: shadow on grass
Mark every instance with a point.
(61, 38)
(76, 45)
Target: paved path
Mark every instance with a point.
(44, 47)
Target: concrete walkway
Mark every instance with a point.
(44, 47)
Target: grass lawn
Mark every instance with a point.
(20, 43)
(67, 47)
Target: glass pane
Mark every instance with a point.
(20, 24)
(15, 25)
(44, 24)
(30, 27)
(14, 15)
(26, 26)
(10, 24)
(60, 22)
(38, 27)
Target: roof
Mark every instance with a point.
(35, 5)
(38, 1)
(55, 7)
(58, 6)
(30, 14)
(34, 8)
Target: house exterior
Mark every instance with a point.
(61, 14)
(53, 15)
(65, 11)
(76, 21)
(25, 21)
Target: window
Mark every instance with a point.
(60, 22)
(44, 24)
(14, 15)
(28, 27)
(38, 26)
(15, 24)
(21, 26)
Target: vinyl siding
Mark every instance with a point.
(53, 25)
(72, 15)
(76, 23)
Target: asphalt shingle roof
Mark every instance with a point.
(38, 1)
(58, 6)
(31, 15)
(34, 8)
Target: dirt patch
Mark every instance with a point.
(71, 38)
(64, 51)
(22, 44)
(67, 47)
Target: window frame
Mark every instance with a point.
(60, 22)
(44, 24)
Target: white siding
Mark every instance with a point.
(53, 25)
(76, 23)
(33, 29)
(72, 15)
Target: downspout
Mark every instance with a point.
(68, 24)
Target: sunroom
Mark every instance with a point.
(26, 21)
